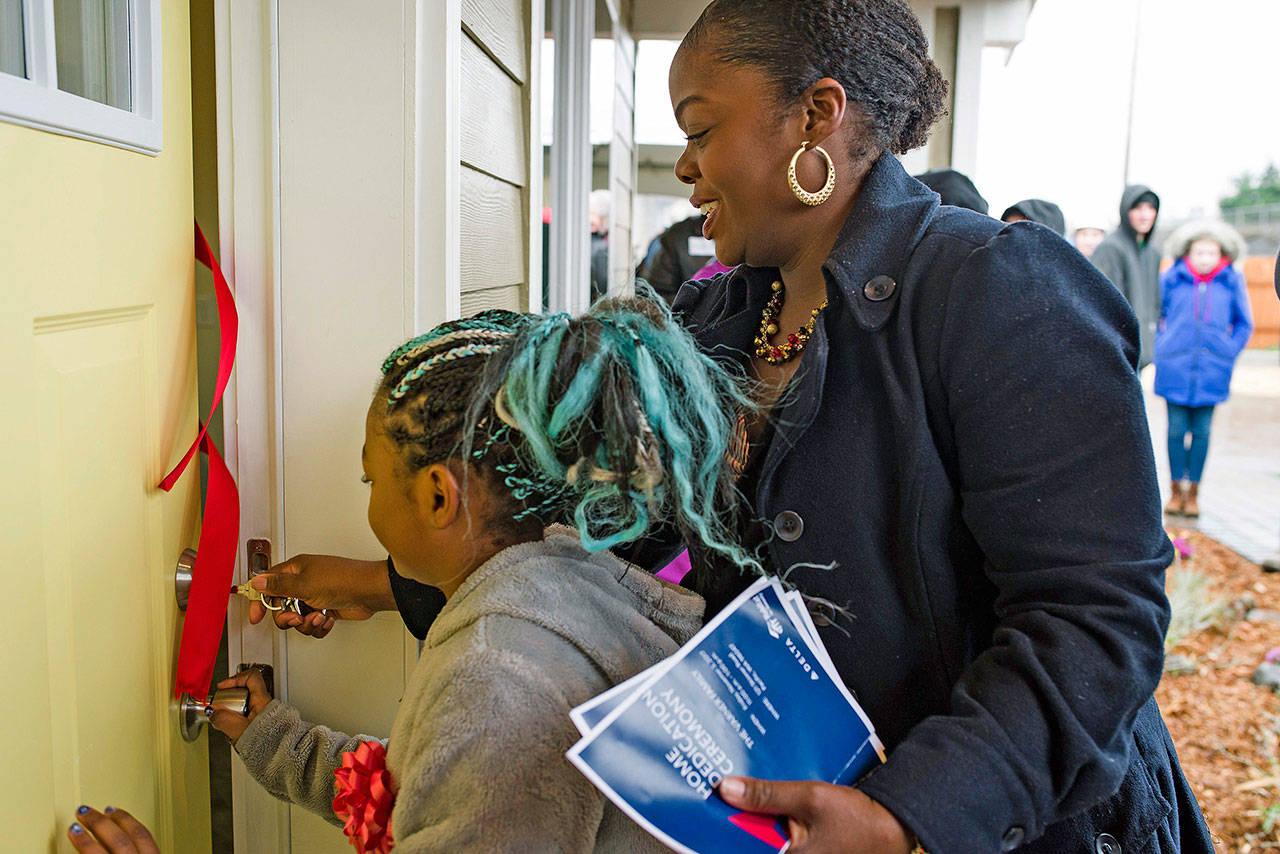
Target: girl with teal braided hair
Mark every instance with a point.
(483, 437)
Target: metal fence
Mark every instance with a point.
(1263, 215)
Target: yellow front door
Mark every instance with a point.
(98, 398)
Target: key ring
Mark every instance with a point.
(276, 604)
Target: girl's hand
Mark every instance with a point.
(228, 722)
(348, 589)
(115, 832)
(821, 817)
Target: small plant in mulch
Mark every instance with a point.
(1192, 601)
(1226, 727)
(1269, 817)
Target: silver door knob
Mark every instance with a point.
(191, 716)
(182, 577)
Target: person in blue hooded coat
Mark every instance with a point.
(1204, 323)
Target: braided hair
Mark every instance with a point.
(875, 49)
(614, 422)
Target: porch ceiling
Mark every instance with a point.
(664, 19)
(671, 19)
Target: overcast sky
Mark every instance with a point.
(1053, 118)
(1207, 104)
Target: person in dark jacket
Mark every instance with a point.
(1205, 322)
(682, 250)
(598, 205)
(1037, 210)
(954, 188)
(995, 547)
(1131, 261)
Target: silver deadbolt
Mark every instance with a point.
(182, 578)
(191, 716)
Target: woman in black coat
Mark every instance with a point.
(962, 434)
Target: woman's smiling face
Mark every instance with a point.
(736, 157)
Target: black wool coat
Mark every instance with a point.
(966, 440)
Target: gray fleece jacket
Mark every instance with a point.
(477, 748)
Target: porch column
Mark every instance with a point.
(569, 262)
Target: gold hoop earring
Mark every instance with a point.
(817, 198)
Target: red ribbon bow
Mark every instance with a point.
(365, 798)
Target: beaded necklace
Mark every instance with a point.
(777, 354)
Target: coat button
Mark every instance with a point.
(880, 288)
(1012, 838)
(1106, 844)
(788, 525)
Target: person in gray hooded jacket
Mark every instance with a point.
(1131, 261)
(482, 433)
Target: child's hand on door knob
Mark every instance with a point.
(228, 722)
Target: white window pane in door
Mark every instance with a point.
(13, 53)
(91, 40)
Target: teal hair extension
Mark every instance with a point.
(614, 421)
(494, 324)
(452, 355)
(623, 407)
(429, 384)
(527, 380)
(696, 417)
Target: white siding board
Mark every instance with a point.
(510, 298)
(623, 123)
(493, 236)
(501, 26)
(492, 117)
(621, 216)
(624, 74)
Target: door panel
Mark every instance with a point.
(345, 292)
(356, 134)
(96, 378)
(97, 375)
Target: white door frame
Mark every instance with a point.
(249, 202)
(245, 40)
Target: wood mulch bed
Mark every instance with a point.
(1227, 730)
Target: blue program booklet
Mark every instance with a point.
(752, 694)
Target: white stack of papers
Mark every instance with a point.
(753, 694)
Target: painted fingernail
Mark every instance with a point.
(109, 810)
(81, 810)
(208, 711)
(76, 828)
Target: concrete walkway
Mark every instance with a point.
(1240, 492)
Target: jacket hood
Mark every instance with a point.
(1129, 199)
(531, 582)
(1233, 245)
(955, 189)
(1038, 210)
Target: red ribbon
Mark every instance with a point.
(365, 799)
(220, 527)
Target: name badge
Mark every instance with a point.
(699, 245)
